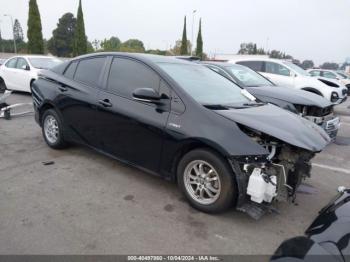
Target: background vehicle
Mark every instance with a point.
(182, 121)
(2, 61)
(327, 238)
(287, 74)
(311, 106)
(19, 72)
(330, 74)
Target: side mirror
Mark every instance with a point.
(26, 67)
(146, 94)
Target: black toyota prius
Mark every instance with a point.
(181, 121)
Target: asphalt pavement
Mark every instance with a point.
(87, 203)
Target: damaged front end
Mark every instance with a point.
(323, 117)
(265, 180)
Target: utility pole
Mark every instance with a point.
(13, 33)
(2, 45)
(193, 13)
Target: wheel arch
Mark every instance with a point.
(46, 106)
(191, 145)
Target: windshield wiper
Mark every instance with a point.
(216, 106)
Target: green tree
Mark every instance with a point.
(18, 31)
(199, 48)
(112, 44)
(330, 66)
(132, 46)
(62, 41)
(176, 50)
(34, 33)
(246, 49)
(255, 49)
(307, 64)
(80, 39)
(184, 48)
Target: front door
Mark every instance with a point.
(23, 75)
(278, 74)
(129, 129)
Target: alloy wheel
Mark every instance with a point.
(51, 129)
(202, 182)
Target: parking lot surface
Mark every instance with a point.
(87, 203)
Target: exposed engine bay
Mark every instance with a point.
(278, 177)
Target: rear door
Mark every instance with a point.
(129, 129)
(77, 97)
(8, 73)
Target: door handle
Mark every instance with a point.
(63, 88)
(105, 103)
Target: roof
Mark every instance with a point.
(141, 56)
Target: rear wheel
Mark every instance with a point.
(207, 181)
(52, 129)
(3, 87)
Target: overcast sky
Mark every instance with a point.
(306, 29)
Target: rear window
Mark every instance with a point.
(89, 70)
(254, 65)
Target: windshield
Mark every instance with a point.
(342, 75)
(296, 68)
(44, 62)
(247, 77)
(204, 85)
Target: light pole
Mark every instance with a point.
(13, 33)
(193, 13)
(2, 45)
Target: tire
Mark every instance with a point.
(220, 179)
(52, 129)
(3, 87)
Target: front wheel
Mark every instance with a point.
(207, 181)
(52, 129)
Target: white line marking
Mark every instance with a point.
(342, 170)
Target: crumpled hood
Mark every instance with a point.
(294, 96)
(280, 124)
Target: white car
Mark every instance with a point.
(330, 74)
(287, 74)
(19, 72)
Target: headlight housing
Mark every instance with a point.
(334, 97)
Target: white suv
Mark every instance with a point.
(285, 73)
(330, 74)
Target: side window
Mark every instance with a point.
(69, 73)
(277, 69)
(327, 74)
(11, 63)
(254, 65)
(315, 73)
(89, 70)
(21, 63)
(126, 75)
